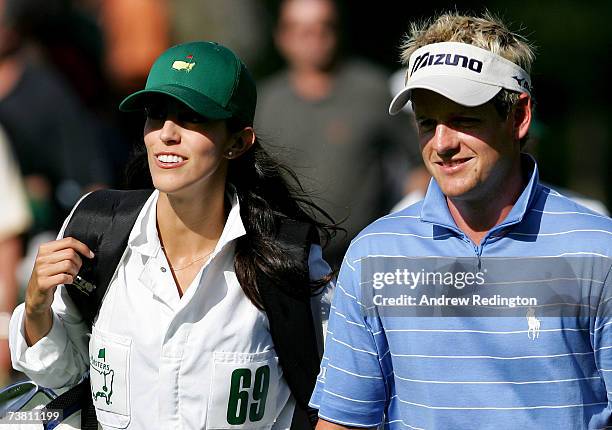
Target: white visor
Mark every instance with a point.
(463, 73)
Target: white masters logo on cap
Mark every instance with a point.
(463, 73)
(184, 65)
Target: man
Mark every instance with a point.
(328, 112)
(487, 218)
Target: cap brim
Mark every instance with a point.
(460, 90)
(193, 99)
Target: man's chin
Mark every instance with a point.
(455, 190)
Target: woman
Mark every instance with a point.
(182, 339)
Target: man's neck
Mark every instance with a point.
(477, 218)
(312, 84)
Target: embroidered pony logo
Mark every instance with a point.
(533, 324)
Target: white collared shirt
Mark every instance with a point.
(205, 360)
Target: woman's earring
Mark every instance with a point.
(229, 153)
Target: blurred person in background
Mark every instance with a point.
(417, 181)
(65, 35)
(136, 32)
(55, 139)
(329, 111)
(238, 24)
(16, 220)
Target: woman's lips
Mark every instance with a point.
(169, 161)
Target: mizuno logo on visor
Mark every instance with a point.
(426, 59)
(463, 73)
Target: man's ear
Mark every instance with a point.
(521, 116)
(240, 142)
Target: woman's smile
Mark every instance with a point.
(168, 160)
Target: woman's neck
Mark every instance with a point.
(190, 226)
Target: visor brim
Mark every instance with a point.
(460, 90)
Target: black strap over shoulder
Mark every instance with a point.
(103, 221)
(290, 315)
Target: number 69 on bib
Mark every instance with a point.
(243, 395)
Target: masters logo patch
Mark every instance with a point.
(105, 391)
(185, 66)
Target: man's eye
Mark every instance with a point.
(156, 112)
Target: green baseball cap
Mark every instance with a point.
(206, 76)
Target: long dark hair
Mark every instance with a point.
(268, 192)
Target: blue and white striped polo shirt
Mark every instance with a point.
(472, 372)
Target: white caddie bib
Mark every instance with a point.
(242, 386)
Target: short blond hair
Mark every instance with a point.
(486, 32)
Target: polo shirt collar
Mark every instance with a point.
(435, 209)
(527, 197)
(145, 240)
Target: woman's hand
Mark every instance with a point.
(57, 262)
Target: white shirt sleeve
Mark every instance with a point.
(321, 301)
(61, 358)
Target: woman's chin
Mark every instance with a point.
(168, 187)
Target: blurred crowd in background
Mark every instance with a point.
(326, 72)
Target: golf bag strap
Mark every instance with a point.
(103, 221)
(288, 307)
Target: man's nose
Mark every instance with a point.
(445, 141)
